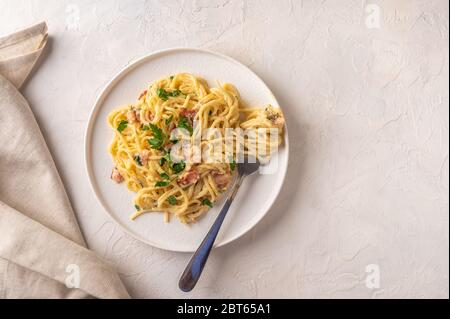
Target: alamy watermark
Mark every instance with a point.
(373, 16)
(72, 279)
(373, 278)
(72, 17)
(235, 145)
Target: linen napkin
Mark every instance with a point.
(42, 251)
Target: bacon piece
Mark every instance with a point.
(133, 116)
(188, 178)
(142, 94)
(145, 156)
(190, 114)
(221, 179)
(275, 116)
(116, 176)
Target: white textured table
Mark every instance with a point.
(365, 91)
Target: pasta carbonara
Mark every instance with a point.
(173, 113)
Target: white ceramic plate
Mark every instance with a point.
(254, 198)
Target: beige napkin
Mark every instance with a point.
(42, 251)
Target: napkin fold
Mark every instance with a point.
(42, 250)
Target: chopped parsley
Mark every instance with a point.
(164, 95)
(178, 167)
(183, 122)
(164, 176)
(157, 141)
(157, 132)
(232, 164)
(175, 93)
(169, 119)
(137, 159)
(172, 200)
(171, 77)
(162, 183)
(122, 125)
(207, 202)
(137, 207)
(165, 158)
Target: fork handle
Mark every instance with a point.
(195, 266)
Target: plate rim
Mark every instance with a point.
(106, 89)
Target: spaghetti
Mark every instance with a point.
(174, 111)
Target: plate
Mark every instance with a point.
(256, 195)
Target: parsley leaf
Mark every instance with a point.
(171, 77)
(162, 94)
(157, 132)
(157, 141)
(175, 93)
(164, 176)
(165, 158)
(168, 120)
(178, 167)
(172, 200)
(145, 127)
(122, 125)
(183, 122)
(137, 159)
(162, 183)
(232, 164)
(207, 202)
(137, 207)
